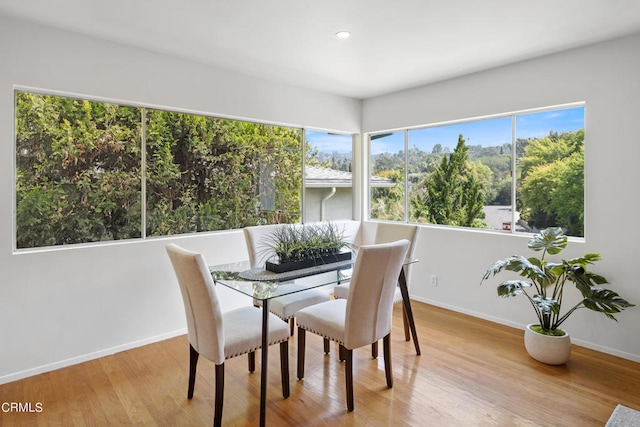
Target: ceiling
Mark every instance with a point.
(394, 44)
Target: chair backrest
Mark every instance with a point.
(201, 303)
(390, 232)
(370, 300)
(349, 228)
(257, 239)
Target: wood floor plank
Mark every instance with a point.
(471, 373)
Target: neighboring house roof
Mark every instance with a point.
(316, 177)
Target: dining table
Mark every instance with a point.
(264, 285)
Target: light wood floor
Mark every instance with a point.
(471, 373)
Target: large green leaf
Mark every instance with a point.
(585, 259)
(546, 305)
(551, 240)
(516, 263)
(548, 276)
(511, 288)
(607, 302)
(585, 282)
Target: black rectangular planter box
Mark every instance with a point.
(278, 267)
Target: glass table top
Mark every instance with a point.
(261, 284)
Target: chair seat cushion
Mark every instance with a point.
(342, 292)
(286, 306)
(243, 330)
(326, 319)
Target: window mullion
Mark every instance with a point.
(406, 175)
(143, 174)
(303, 190)
(513, 173)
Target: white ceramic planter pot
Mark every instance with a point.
(547, 349)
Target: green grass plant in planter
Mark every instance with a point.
(318, 243)
(544, 283)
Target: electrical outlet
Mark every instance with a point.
(434, 280)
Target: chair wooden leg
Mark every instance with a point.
(374, 350)
(348, 373)
(341, 353)
(284, 367)
(386, 351)
(193, 362)
(252, 361)
(301, 344)
(292, 326)
(405, 322)
(327, 346)
(219, 399)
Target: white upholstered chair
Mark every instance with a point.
(365, 316)
(285, 307)
(385, 233)
(216, 335)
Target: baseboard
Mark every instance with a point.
(89, 356)
(607, 350)
(578, 342)
(470, 313)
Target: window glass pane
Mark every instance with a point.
(460, 174)
(550, 170)
(206, 173)
(387, 176)
(328, 176)
(78, 175)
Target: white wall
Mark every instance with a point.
(60, 307)
(338, 206)
(607, 77)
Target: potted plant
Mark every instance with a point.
(544, 286)
(301, 246)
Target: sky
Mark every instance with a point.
(490, 132)
(329, 142)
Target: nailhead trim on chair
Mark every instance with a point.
(322, 335)
(280, 317)
(254, 349)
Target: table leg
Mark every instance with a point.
(265, 361)
(402, 281)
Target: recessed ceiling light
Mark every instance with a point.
(343, 34)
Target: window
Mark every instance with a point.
(78, 174)
(460, 174)
(456, 170)
(90, 171)
(328, 176)
(550, 170)
(205, 173)
(387, 176)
